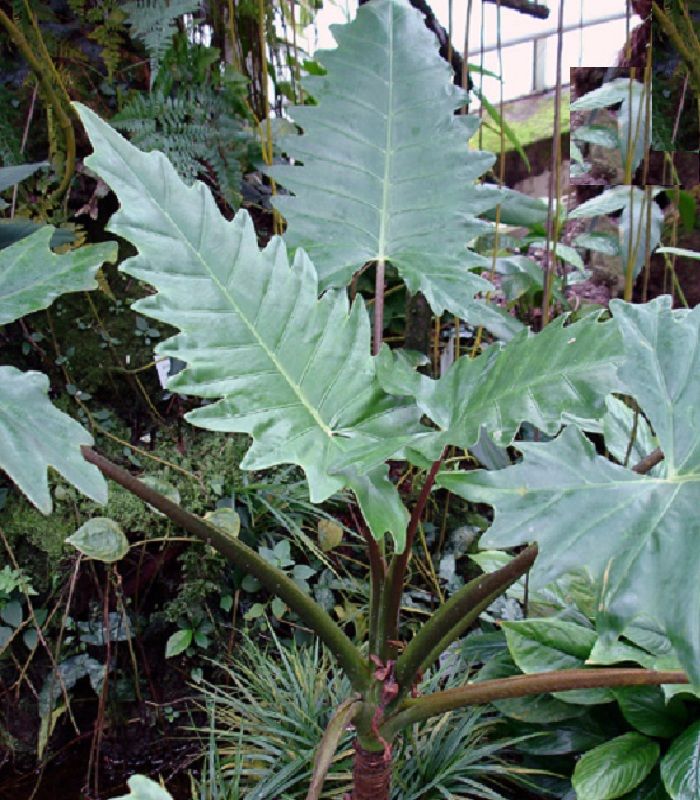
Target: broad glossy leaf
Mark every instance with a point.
(519, 209)
(597, 134)
(568, 736)
(646, 709)
(101, 538)
(543, 645)
(651, 788)
(639, 533)
(178, 642)
(680, 767)
(640, 216)
(35, 435)
(373, 184)
(632, 226)
(534, 378)
(610, 200)
(614, 768)
(293, 371)
(599, 242)
(632, 123)
(32, 276)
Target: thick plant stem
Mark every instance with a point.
(348, 656)
(371, 774)
(393, 584)
(521, 686)
(451, 620)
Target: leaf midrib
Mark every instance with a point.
(296, 389)
(381, 243)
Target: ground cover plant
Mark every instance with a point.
(277, 351)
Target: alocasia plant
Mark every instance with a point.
(294, 371)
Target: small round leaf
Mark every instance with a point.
(178, 642)
(226, 520)
(330, 534)
(100, 538)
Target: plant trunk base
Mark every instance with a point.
(371, 774)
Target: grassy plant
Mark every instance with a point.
(268, 719)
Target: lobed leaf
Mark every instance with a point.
(535, 378)
(32, 276)
(636, 533)
(35, 435)
(293, 371)
(373, 185)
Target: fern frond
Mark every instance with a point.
(196, 131)
(153, 23)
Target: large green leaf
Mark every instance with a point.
(35, 435)
(568, 736)
(652, 788)
(639, 533)
(631, 118)
(542, 378)
(680, 767)
(646, 709)
(614, 768)
(293, 371)
(32, 276)
(543, 645)
(386, 172)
